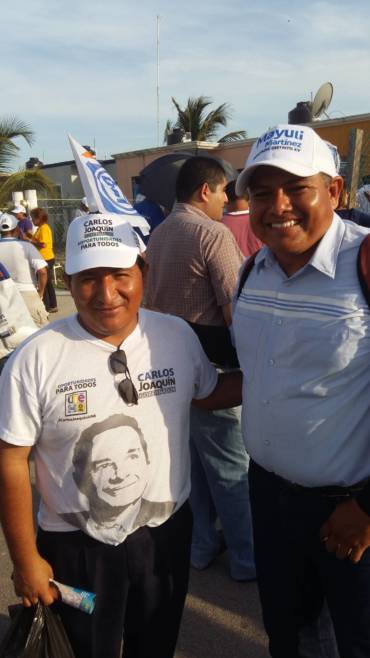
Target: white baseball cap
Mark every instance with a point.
(296, 149)
(19, 209)
(8, 222)
(101, 240)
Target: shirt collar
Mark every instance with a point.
(325, 256)
(190, 210)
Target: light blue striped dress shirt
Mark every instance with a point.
(304, 347)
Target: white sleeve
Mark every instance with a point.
(20, 417)
(37, 261)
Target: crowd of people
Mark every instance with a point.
(210, 393)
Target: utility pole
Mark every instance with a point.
(157, 80)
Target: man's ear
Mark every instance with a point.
(204, 191)
(335, 188)
(67, 280)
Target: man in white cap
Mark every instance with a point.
(83, 208)
(103, 398)
(26, 266)
(24, 222)
(301, 325)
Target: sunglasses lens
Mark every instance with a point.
(128, 391)
(118, 361)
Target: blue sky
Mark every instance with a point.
(89, 68)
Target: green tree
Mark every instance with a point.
(203, 126)
(10, 129)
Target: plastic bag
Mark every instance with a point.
(16, 322)
(35, 632)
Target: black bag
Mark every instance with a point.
(216, 342)
(35, 632)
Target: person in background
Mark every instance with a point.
(353, 214)
(26, 267)
(237, 220)
(363, 198)
(24, 223)
(16, 322)
(83, 208)
(193, 265)
(43, 240)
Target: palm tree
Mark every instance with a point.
(10, 129)
(203, 127)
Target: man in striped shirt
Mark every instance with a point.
(302, 328)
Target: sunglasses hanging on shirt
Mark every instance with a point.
(126, 388)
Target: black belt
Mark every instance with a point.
(331, 491)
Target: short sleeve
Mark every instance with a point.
(37, 261)
(20, 416)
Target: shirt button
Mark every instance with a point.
(271, 362)
(279, 322)
(267, 442)
(265, 402)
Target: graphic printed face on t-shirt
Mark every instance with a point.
(119, 475)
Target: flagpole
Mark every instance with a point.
(157, 80)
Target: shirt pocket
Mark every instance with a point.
(324, 350)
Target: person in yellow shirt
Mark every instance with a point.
(43, 239)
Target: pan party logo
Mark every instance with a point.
(108, 190)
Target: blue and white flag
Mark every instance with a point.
(101, 190)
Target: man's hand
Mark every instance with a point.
(31, 582)
(347, 531)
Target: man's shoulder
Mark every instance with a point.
(22, 246)
(151, 320)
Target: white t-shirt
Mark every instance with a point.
(104, 466)
(22, 260)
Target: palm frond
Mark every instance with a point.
(233, 136)
(11, 128)
(193, 118)
(24, 180)
(167, 130)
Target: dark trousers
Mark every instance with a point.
(49, 298)
(140, 588)
(296, 573)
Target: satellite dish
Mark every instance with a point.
(322, 100)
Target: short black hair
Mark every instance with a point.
(81, 459)
(140, 262)
(231, 193)
(194, 173)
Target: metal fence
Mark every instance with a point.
(60, 212)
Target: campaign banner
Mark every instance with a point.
(101, 190)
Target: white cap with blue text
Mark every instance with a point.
(101, 240)
(296, 149)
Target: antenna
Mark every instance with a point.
(322, 100)
(158, 80)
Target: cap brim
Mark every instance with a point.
(95, 259)
(292, 168)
